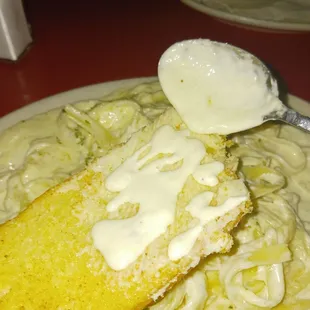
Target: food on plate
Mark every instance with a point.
(120, 233)
(269, 264)
(39, 153)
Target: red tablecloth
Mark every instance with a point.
(77, 43)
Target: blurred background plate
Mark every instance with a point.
(277, 15)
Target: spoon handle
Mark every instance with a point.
(296, 119)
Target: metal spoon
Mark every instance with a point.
(286, 114)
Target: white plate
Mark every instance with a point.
(88, 92)
(94, 92)
(281, 15)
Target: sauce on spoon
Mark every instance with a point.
(214, 89)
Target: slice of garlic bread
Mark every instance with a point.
(119, 234)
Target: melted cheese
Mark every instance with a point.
(207, 174)
(140, 180)
(200, 208)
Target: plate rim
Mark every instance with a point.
(71, 96)
(95, 91)
(238, 19)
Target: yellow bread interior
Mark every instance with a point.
(47, 256)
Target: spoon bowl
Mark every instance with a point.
(285, 114)
(220, 88)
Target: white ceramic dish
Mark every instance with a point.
(97, 91)
(88, 92)
(241, 15)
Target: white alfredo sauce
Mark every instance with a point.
(213, 89)
(141, 181)
(207, 174)
(199, 208)
(196, 291)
